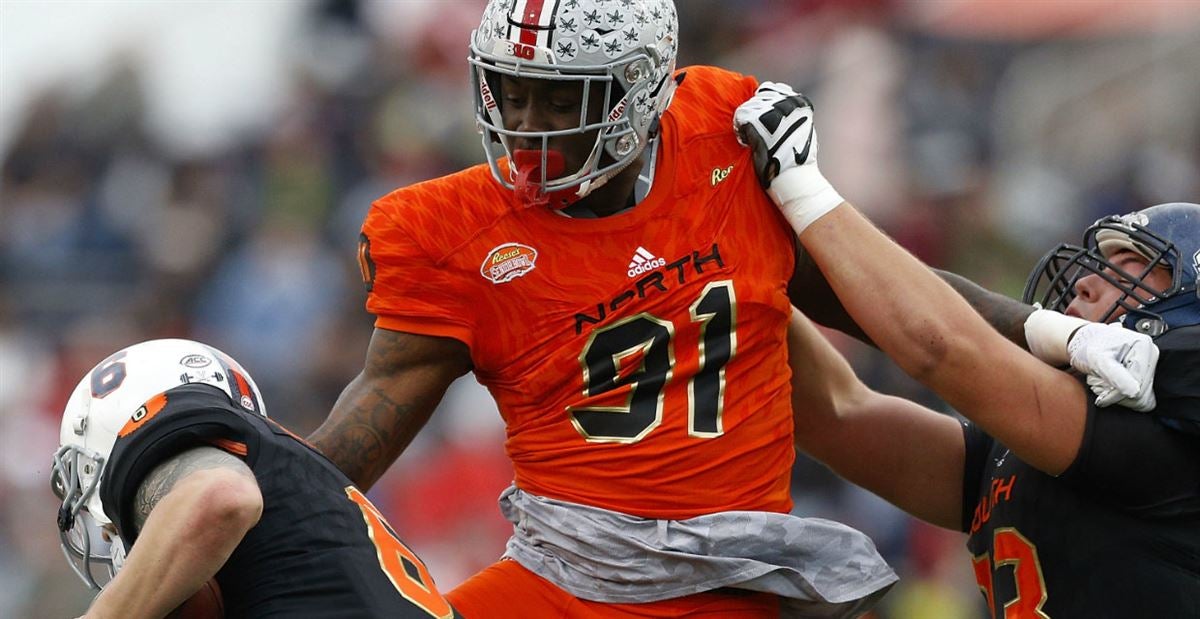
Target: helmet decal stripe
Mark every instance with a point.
(234, 388)
(247, 399)
(532, 21)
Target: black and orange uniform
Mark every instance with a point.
(320, 549)
(639, 360)
(1116, 535)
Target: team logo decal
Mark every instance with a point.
(508, 262)
(1135, 219)
(195, 361)
(144, 413)
(643, 262)
(720, 174)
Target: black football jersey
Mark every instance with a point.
(1117, 535)
(320, 549)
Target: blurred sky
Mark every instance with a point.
(208, 67)
(214, 68)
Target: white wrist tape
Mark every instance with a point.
(803, 195)
(1048, 334)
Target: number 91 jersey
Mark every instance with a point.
(639, 360)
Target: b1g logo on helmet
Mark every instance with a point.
(519, 50)
(508, 262)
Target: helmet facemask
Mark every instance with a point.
(1052, 282)
(622, 59)
(76, 481)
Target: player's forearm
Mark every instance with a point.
(367, 430)
(1004, 314)
(188, 537)
(921, 341)
(812, 294)
(934, 335)
(383, 408)
(909, 455)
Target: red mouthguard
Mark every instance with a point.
(528, 183)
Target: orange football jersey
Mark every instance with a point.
(639, 360)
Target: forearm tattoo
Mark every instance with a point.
(1004, 314)
(163, 478)
(372, 427)
(369, 427)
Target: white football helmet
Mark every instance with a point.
(625, 47)
(108, 397)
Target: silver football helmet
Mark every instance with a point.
(626, 48)
(111, 395)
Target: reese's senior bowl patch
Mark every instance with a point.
(508, 262)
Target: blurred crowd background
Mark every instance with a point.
(200, 169)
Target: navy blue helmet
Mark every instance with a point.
(1167, 235)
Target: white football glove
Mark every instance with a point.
(777, 124)
(1119, 363)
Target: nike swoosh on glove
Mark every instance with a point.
(776, 123)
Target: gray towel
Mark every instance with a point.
(819, 568)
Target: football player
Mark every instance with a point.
(1070, 511)
(618, 279)
(171, 474)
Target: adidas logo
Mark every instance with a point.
(644, 262)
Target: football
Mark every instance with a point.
(206, 603)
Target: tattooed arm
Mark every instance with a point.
(192, 511)
(812, 294)
(383, 408)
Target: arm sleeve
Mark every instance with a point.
(407, 289)
(1137, 462)
(978, 445)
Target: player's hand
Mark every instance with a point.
(1119, 364)
(777, 125)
